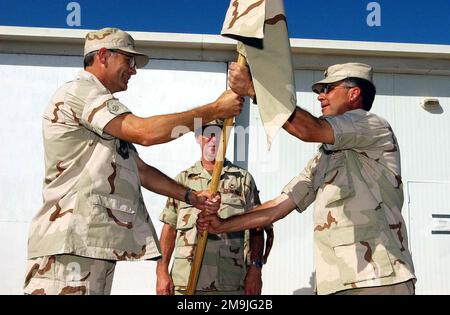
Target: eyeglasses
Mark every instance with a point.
(327, 88)
(131, 58)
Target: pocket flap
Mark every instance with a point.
(363, 260)
(186, 252)
(187, 218)
(231, 252)
(114, 203)
(333, 193)
(231, 205)
(352, 234)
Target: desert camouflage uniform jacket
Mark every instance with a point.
(223, 267)
(93, 204)
(360, 236)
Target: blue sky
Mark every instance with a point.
(401, 20)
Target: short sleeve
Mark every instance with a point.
(359, 129)
(300, 189)
(169, 214)
(251, 193)
(99, 109)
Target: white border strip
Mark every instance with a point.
(168, 40)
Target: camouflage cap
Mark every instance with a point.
(114, 38)
(340, 72)
(216, 122)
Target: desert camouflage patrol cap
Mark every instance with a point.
(216, 122)
(340, 72)
(211, 126)
(114, 38)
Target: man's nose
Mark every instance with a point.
(321, 96)
(216, 138)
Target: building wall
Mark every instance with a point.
(181, 76)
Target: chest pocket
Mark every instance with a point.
(232, 204)
(187, 217)
(186, 231)
(119, 212)
(361, 254)
(126, 171)
(333, 178)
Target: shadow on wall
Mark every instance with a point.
(307, 290)
(436, 111)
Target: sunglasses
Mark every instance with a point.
(131, 58)
(327, 88)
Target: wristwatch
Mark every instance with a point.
(187, 195)
(258, 263)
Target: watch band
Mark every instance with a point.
(186, 196)
(258, 263)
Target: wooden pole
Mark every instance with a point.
(220, 158)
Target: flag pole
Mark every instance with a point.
(220, 158)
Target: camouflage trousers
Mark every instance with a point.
(69, 275)
(404, 288)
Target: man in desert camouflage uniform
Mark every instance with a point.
(93, 213)
(226, 267)
(360, 238)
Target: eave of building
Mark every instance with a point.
(313, 54)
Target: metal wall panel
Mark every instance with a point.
(28, 82)
(422, 135)
(429, 229)
(14, 237)
(290, 265)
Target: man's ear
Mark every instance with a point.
(355, 92)
(102, 55)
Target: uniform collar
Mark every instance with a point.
(197, 169)
(358, 111)
(86, 75)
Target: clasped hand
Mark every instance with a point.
(210, 205)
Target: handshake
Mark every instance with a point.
(209, 204)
